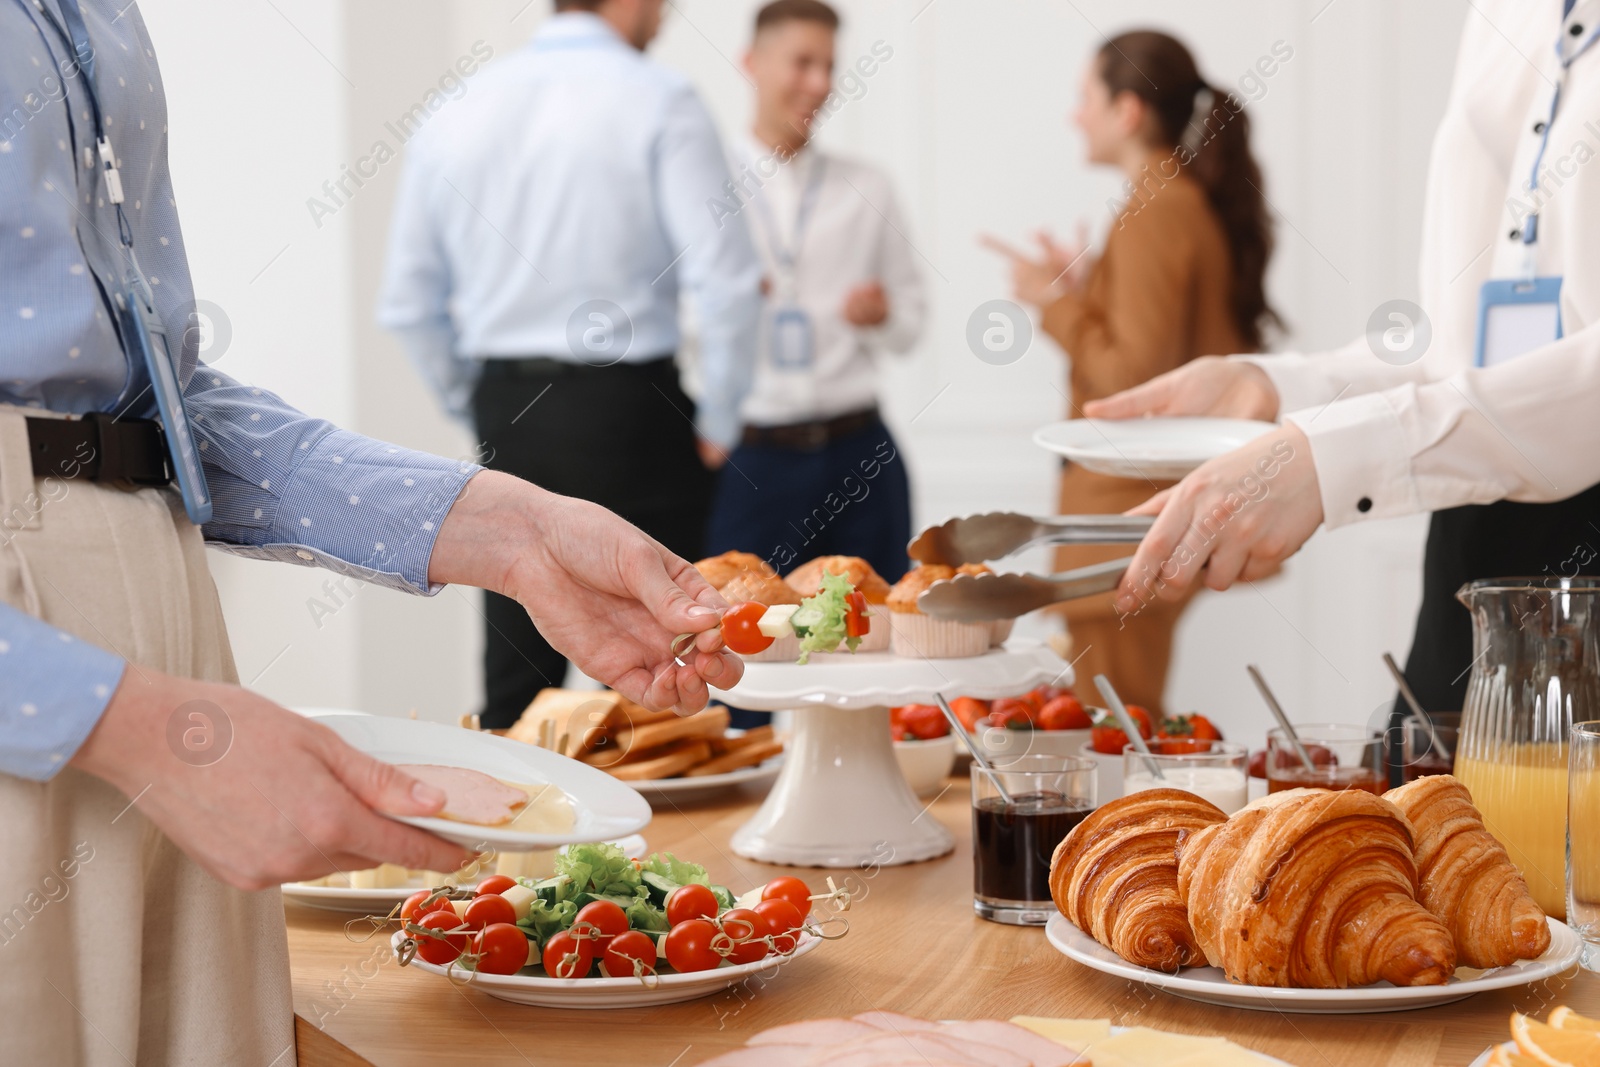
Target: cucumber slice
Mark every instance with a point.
(775, 622)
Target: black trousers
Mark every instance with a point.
(620, 436)
(1502, 540)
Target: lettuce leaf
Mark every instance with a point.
(599, 870)
(819, 621)
(546, 920)
(645, 916)
(675, 870)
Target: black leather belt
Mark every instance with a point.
(99, 448)
(809, 436)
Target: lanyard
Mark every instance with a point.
(1530, 227)
(786, 257)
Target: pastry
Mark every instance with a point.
(718, 571)
(1311, 888)
(916, 635)
(806, 580)
(1115, 876)
(767, 589)
(1468, 880)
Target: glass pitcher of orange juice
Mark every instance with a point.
(1535, 670)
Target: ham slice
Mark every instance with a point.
(890, 1020)
(470, 796)
(1039, 1051)
(931, 1045)
(815, 1032)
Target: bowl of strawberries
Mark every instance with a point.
(1049, 721)
(923, 746)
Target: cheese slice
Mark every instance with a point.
(1077, 1034)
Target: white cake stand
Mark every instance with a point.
(840, 800)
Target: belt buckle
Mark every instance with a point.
(812, 435)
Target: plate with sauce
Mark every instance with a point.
(567, 802)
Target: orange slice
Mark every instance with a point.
(1554, 1048)
(1564, 1018)
(1501, 1058)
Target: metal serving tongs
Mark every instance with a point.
(984, 597)
(980, 538)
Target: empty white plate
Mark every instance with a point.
(1160, 449)
(1211, 986)
(605, 808)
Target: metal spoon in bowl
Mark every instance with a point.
(1416, 708)
(1129, 728)
(972, 747)
(1283, 719)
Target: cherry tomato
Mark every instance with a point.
(440, 950)
(970, 710)
(689, 946)
(748, 931)
(412, 910)
(792, 889)
(740, 629)
(626, 948)
(690, 902)
(606, 919)
(495, 883)
(1064, 713)
(783, 923)
(856, 621)
(502, 948)
(488, 909)
(566, 956)
(1012, 713)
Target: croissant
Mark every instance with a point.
(1468, 880)
(1115, 876)
(1313, 889)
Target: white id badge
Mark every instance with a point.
(1515, 316)
(790, 338)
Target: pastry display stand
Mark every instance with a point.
(840, 800)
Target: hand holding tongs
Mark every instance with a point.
(979, 538)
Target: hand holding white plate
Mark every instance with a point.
(1158, 449)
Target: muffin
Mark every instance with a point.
(806, 580)
(767, 589)
(718, 571)
(918, 636)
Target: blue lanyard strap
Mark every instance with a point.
(808, 197)
(1530, 227)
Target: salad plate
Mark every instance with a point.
(1160, 449)
(668, 988)
(379, 901)
(1209, 985)
(604, 808)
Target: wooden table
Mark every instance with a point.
(914, 946)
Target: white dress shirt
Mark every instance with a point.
(851, 233)
(1441, 433)
(572, 170)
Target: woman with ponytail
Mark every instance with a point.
(1182, 275)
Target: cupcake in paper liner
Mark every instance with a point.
(919, 636)
(767, 590)
(1002, 630)
(806, 580)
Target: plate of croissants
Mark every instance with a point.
(1307, 900)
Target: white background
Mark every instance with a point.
(269, 98)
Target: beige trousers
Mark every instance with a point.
(115, 947)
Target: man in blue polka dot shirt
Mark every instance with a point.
(149, 806)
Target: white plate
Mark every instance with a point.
(1209, 985)
(667, 792)
(613, 992)
(1160, 449)
(379, 901)
(875, 679)
(606, 808)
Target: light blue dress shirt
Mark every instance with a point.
(574, 169)
(284, 486)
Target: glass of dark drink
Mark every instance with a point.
(1342, 757)
(1012, 842)
(1418, 755)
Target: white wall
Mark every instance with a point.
(969, 116)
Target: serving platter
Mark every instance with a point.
(1209, 985)
(604, 807)
(1159, 449)
(672, 988)
(380, 901)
